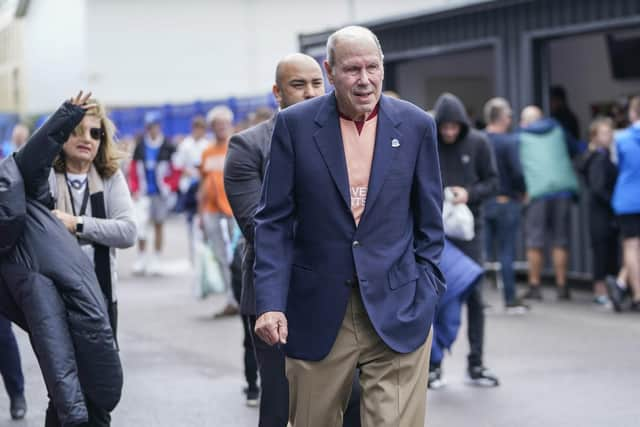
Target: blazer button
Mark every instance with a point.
(349, 283)
(355, 244)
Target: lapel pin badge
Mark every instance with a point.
(395, 143)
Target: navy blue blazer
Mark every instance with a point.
(309, 249)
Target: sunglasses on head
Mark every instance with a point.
(95, 133)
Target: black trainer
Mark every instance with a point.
(533, 292)
(617, 295)
(481, 377)
(564, 293)
(253, 396)
(516, 307)
(635, 307)
(435, 378)
(18, 407)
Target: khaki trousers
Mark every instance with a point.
(394, 385)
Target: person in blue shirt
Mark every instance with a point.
(151, 184)
(626, 203)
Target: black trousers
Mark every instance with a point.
(475, 302)
(10, 367)
(274, 400)
(97, 417)
(606, 255)
(250, 363)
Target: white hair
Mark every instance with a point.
(350, 32)
(221, 112)
(495, 108)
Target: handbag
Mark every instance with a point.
(457, 219)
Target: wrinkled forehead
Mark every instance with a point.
(360, 47)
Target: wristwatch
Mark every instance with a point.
(79, 225)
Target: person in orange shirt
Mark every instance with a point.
(215, 211)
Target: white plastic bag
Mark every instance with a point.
(142, 206)
(457, 218)
(208, 276)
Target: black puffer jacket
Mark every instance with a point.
(48, 286)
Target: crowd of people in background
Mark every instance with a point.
(526, 177)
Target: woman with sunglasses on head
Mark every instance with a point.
(94, 204)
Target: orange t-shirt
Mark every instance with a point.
(214, 199)
(359, 139)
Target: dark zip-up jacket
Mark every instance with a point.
(469, 162)
(600, 176)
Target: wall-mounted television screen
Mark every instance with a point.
(624, 56)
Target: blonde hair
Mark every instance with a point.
(107, 160)
(596, 123)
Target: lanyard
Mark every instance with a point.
(85, 197)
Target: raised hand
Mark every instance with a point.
(81, 101)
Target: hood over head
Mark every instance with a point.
(449, 108)
(541, 126)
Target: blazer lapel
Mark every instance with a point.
(328, 138)
(388, 142)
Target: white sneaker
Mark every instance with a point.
(154, 268)
(140, 266)
(436, 380)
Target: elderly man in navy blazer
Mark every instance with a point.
(348, 239)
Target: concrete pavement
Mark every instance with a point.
(564, 364)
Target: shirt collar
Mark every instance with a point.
(360, 123)
(372, 115)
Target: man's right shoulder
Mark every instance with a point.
(256, 135)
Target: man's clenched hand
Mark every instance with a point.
(271, 327)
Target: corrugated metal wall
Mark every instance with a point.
(504, 20)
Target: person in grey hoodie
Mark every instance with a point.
(469, 170)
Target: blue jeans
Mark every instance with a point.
(10, 360)
(502, 221)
